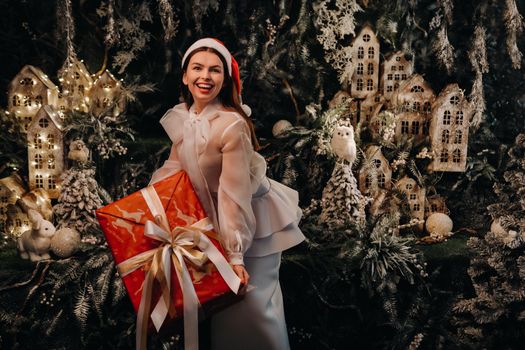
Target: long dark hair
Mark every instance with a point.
(229, 96)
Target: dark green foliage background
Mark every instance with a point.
(327, 304)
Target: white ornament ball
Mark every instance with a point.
(280, 126)
(65, 242)
(439, 223)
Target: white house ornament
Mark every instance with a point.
(280, 127)
(65, 242)
(343, 143)
(46, 151)
(29, 90)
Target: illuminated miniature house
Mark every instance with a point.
(396, 70)
(413, 103)
(365, 58)
(435, 204)
(11, 189)
(17, 221)
(369, 108)
(449, 130)
(29, 90)
(415, 197)
(107, 93)
(76, 84)
(46, 151)
(380, 177)
(350, 113)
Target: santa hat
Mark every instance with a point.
(233, 67)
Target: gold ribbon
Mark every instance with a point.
(178, 245)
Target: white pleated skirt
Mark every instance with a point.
(257, 322)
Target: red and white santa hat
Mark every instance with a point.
(233, 67)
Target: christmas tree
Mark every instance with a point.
(495, 314)
(80, 194)
(342, 203)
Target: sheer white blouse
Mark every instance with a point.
(254, 216)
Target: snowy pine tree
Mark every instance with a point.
(495, 315)
(342, 203)
(80, 195)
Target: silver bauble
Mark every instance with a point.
(65, 242)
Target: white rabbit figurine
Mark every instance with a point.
(34, 244)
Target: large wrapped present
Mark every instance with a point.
(168, 255)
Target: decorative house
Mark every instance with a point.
(365, 57)
(415, 197)
(29, 90)
(17, 221)
(379, 177)
(11, 189)
(396, 70)
(107, 92)
(370, 108)
(413, 103)
(351, 112)
(435, 204)
(449, 130)
(46, 151)
(76, 83)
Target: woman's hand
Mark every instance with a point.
(241, 272)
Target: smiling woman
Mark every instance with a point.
(256, 218)
(204, 78)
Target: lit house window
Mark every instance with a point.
(16, 100)
(404, 127)
(51, 162)
(459, 118)
(445, 136)
(38, 141)
(446, 118)
(360, 52)
(381, 180)
(368, 181)
(366, 38)
(43, 123)
(52, 182)
(415, 127)
(456, 156)
(39, 161)
(370, 69)
(360, 69)
(370, 52)
(444, 156)
(369, 85)
(459, 136)
(39, 181)
(359, 85)
(454, 100)
(50, 141)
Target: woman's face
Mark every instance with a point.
(204, 78)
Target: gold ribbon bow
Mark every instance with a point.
(181, 244)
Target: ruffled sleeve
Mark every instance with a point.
(236, 218)
(172, 122)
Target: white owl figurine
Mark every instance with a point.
(343, 143)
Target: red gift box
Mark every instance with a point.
(162, 234)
